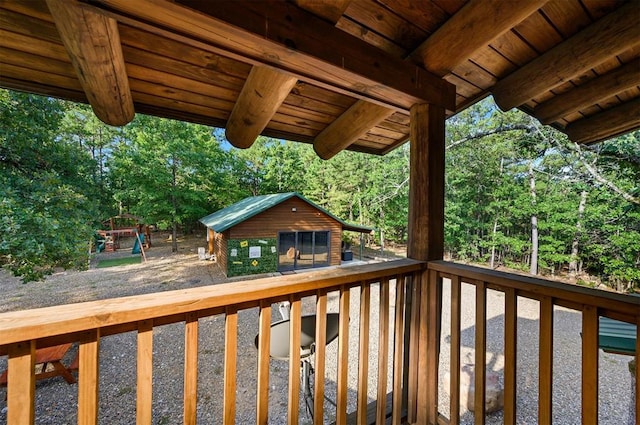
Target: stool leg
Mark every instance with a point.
(306, 385)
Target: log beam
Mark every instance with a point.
(590, 93)
(349, 127)
(606, 124)
(93, 44)
(606, 38)
(331, 10)
(284, 36)
(475, 26)
(262, 94)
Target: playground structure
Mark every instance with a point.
(122, 228)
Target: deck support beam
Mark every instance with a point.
(426, 242)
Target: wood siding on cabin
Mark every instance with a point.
(281, 218)
(221, 249)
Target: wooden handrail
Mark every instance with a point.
(623, 307)
(73, 318)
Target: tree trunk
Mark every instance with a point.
(533, 269)
(573, 262)
(493, 244)
(174, 203)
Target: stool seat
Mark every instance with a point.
(279, 341)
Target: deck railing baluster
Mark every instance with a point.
(510, 354)
(545, 365)
(343, 357)
(144, 369)
(294, 359)
(88, 353)
(363, 351)
(321, 349)
(264, 341)
(190, 395)
(454, 369)
(383, 351)
(398, 350)
(21, 383)
(589, 365)
(230, 362)
(481, 353)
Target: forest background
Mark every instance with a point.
(518, 194)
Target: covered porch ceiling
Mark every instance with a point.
(340, 74)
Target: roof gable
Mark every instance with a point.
(243, 210)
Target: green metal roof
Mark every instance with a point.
(617, 337)
(232, 215)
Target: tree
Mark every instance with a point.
(46, 189)
(169, 172)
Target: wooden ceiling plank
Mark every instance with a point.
(606, 124)
(36, 62)
(28, 26)
(31, 86)
(349, 127)
(424, 15)
(377, 18)
(609, 36)
(186, 70)
(617, 81)
(93, 43)
(363, 33)
(158, 45)
(264, 91)
(300, 43)
(167, 80)
(331, 10)
(142, 86)
(43, 48)
(43, 77)
(36, 9)
(513, 48)
(477, 24)
(567, 16)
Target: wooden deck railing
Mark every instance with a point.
(22, 332)
(590, 302)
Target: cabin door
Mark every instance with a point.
(302, 250)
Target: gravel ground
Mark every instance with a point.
(56, 401)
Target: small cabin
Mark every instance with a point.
(276, 233)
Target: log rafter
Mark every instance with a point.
(606, 124)
(349, 127)
(262, 94)
(93, 44)
(608, 37)
(593, 91)
(476, 25)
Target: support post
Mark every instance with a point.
(426, 242)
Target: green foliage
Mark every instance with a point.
(62, 171)
(168, 172)
(46, 186)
